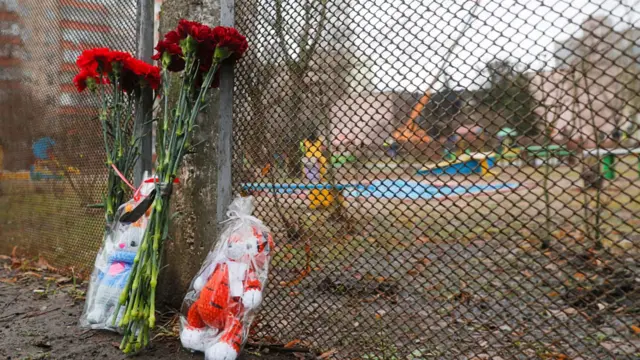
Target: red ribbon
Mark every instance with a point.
(136, 194)
(115, 168)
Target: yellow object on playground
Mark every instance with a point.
(313, 149)
(318, 198)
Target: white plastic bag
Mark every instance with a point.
(225, 295)
(114, 262)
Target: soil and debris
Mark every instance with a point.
(39, 312)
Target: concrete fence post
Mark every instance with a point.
(143, 126)
(205, 190)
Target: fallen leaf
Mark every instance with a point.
(267, 338)
(570, 311)
(325, 355)
(370, 299)
(292, 343)
(380, 279)
(63, 280)
(636, 329)
(553, 294)
(606, 243)
(422, 240)
(265, 169)
(579, 276)
(557, 356)
(577, 235)
(526, 273)
(15, 262)
(9, 281)
(31, 273)
(417, 269)
(44, 264)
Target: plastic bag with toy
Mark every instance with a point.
(225, 295)
(115, 259)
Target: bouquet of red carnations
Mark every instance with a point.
(196, 52)
(118, 79)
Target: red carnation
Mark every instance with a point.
(137, 73)
(186, 27)
(202, 33)
(176, 62)
(86, 78)
(96, 60)
(118, 56)
(230, 40)
(172, 37)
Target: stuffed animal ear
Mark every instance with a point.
(139, 209)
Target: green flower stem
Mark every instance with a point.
(174, 134)
(124, 296)
(140, 337)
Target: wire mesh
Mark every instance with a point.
(446, 179)
(51, 151)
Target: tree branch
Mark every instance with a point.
(316, 37)
(278, 27)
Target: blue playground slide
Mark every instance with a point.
(471, 166)
(385, 189)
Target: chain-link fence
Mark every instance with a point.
(51, 151)
(446, 179)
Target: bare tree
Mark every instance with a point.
(298, 27)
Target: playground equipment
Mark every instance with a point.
(50, 169)
(609, 159)
(409, 131)
(465, 164)
(386, 189)
(338, 160)
(315, 169)
(45, 165)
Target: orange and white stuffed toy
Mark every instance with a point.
(225, 293)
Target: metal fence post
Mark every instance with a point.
(225, 123)
(143, 128)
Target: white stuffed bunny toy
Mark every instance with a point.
(121, 248)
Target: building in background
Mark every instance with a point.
(39, 43)
(594, 89)
(11, 48)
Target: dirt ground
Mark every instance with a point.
(39, 314)
(463, 278)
